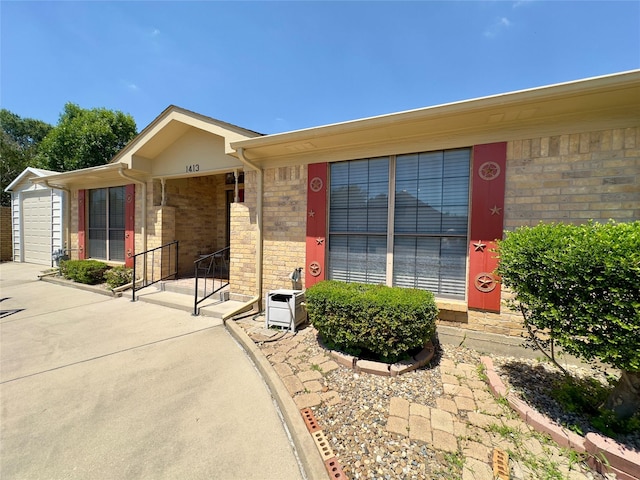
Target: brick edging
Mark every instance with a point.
(381, 368)
(605, 454)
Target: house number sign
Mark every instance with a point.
(195, 167)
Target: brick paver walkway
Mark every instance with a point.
(466, 420)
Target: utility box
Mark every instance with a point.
(285, 309)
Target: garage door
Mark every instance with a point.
(36, 227)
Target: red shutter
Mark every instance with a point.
(487, 212)
(129, 224)
(316, 223)
(82, 194)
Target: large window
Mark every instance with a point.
(106, 225)
(409, 232)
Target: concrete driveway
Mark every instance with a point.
(93, 387)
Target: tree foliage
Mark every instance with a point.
(85, 138)
(579, 286)
(19, 142)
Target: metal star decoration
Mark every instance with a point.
(495, 210)
(319, 241)
(479, 246)
(312, 213)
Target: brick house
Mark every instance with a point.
(413, 199)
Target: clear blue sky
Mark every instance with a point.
(279, 66)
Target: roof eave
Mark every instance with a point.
(538, 94)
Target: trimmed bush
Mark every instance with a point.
(579, 286)
(118, 276)
(90, 272)
(384, 322)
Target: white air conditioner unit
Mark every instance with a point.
(285, 309)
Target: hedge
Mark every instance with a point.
(84, 271)
(384, 322)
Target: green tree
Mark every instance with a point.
(85, 138)
(19, 141)
(579, 286)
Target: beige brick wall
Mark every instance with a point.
(564, 178)
(285, 220)
(284, 230)
(573, 178)
(200, 216)
(6, 249)
(244, 234)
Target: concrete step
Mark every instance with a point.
(211, 307)
(187, 286)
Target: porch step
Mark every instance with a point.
(212, 307)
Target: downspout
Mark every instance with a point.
(67, 213)
(143, 229)
(256, 299)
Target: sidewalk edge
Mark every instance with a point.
(312, 463)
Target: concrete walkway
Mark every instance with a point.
(94, 387)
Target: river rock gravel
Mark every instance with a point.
(353, 410)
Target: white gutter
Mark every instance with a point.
(67, 213)
(259, 247)
(143, 229)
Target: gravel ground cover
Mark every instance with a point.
(532, 380)
(356, 413)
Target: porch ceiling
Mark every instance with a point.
(604, 102)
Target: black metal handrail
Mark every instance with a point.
(213, 266)
(165, 265)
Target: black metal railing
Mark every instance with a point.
(164, 263)
(214, 270)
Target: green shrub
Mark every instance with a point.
(376, 320)
(90, 272)
(579, 286)
(579, 283)
(118, 276)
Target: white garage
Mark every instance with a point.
(37, 218)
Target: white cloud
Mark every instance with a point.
(500, 24)
(130, 86)
(522, 3)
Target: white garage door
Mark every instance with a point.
(36, 227)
